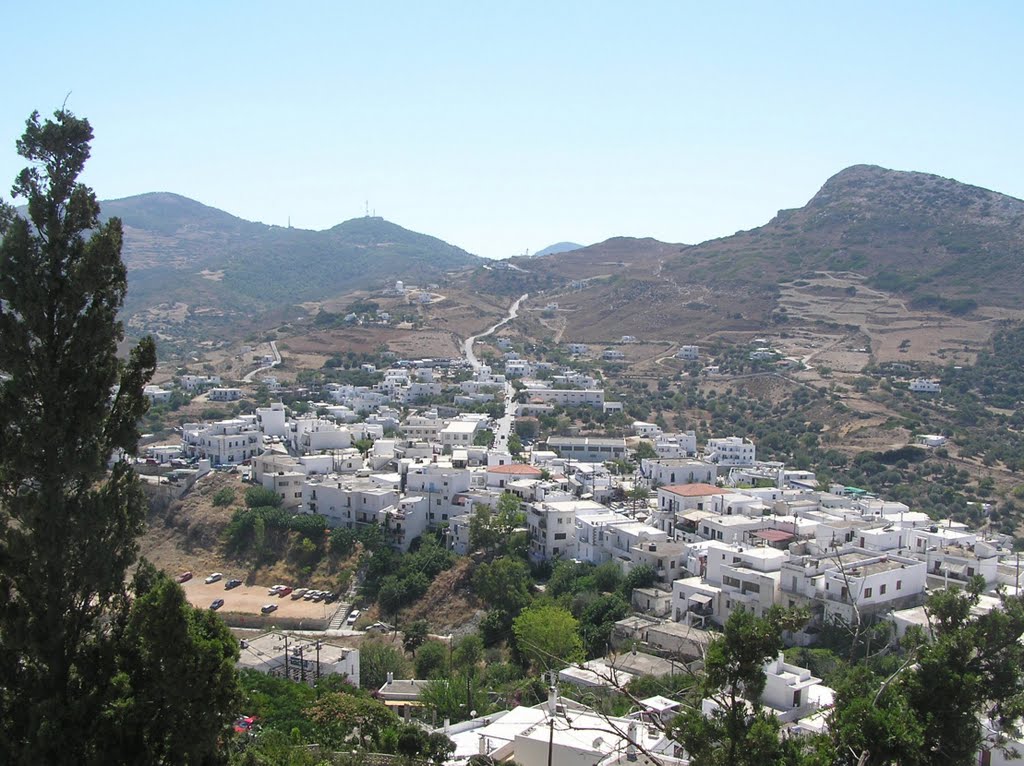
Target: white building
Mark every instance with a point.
(567, 397)
(272, 420)
(303, 660)
(196, 382)
(156, 395)
(675, 445)
(731, 450)
(588, 449)
(645, 430)
(925, 386)
(224, 442)
(578, 348)
(677, 471)
(688, 353)
(224, 394)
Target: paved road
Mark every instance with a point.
(503, 426)
(277, 360)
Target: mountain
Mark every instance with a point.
(179, 250)
(916, 234)
(934, 243)
(558, 247)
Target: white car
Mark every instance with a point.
(353, 616)
(214, 577)
(273, 590)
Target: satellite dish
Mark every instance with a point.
(596, 744)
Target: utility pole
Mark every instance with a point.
(302, 665)
(287, 660)
(318, 645)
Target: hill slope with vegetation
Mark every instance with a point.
(177, 249)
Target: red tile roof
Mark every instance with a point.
(773, 535)
(517, 469)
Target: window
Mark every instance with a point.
(560, 535)
(899, 584)
(881, 589)
(867, 593)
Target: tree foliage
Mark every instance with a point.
(68, 525)
(548, 636)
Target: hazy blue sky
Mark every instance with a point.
(505, 126)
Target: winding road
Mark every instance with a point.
(503, 427)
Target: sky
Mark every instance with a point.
(503, 127)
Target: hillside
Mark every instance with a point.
(929, 245)
(180, 251)
(912, 233)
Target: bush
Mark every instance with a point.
(223, 497)
(258, 497)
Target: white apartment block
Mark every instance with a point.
(567, 397)
(731, 450)
(688, 353)
(226, 442)
(348, 502)
(445, 487)
(645, 430)
(588, 449)
(925, 386)
(676, 471)
(578, 348)
(156, 395)
(461, 433)
(311, 435)
(272, 420)
(224, 394)
(854, 580)
(196, 382)
(677, 445)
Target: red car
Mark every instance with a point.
(245, 723)
(184, 577)
(284, 591)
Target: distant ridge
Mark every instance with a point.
(558, 247)
(918, 234)
(180, 250)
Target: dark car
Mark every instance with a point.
(217, 604)
(232, 584)
(268, 608)
(331, 598)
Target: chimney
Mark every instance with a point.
(391, 677)
(631, 742)
(447, 724)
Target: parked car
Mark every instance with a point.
(299, 593)
(331, 598)
(272, 591)
(217, 604)
(214, 577)
(286, 590)
(184, 577)
(268, 608)
(309, 595)
(320, 595)
(353, 616)
(232, 584)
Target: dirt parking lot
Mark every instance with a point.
(249, 599)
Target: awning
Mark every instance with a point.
(955, 569)
(700, 598)
(773, 535)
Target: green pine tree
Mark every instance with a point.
(71, 507)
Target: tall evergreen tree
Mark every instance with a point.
(71, 507)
